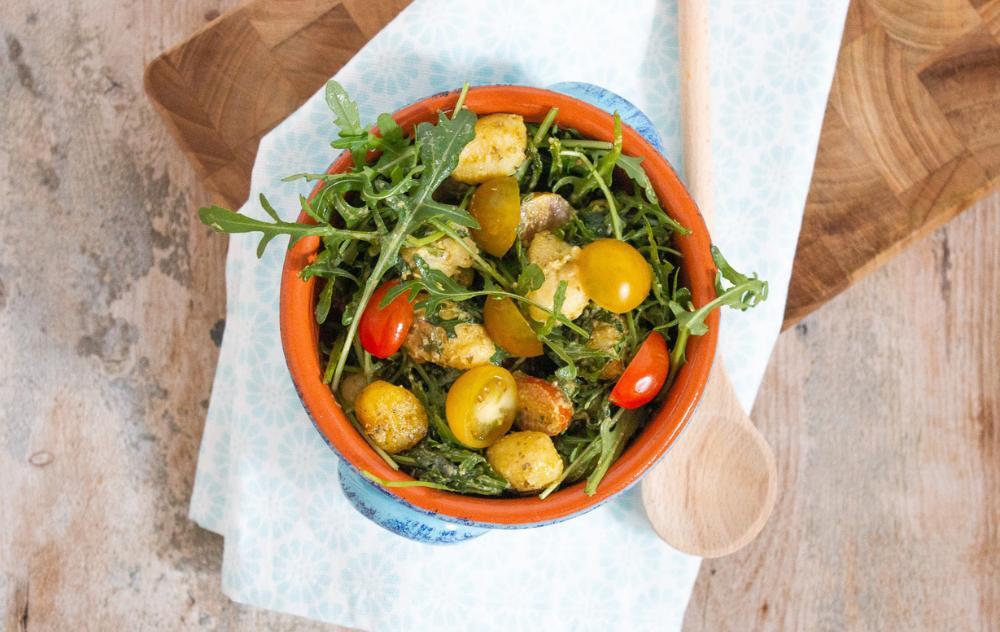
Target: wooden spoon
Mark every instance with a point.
(715, 489)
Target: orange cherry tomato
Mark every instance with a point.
(383, 330)
(508, 328)
(496, 205)
(645, 374)
(481, 405)
(615, 275)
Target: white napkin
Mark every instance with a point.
(267, 482)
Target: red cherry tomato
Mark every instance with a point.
(645, 374)
(382, 330)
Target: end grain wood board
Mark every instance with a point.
(911, 135)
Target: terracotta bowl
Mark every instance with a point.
(299, 333)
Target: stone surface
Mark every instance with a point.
(881, 406)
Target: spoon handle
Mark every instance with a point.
(715, 489)
(696, 111)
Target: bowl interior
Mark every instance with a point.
(299, 332)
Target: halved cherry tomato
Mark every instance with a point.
(614, 274)
(382, 330)
(481, 405)
(496, 205)
(645, 374)
(508, 328)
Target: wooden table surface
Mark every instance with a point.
(882, 406)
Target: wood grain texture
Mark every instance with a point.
(890, 112)
(224, 87)
(931, 148)
(111, 294)
(883, 409)
(952, 79)
(716, 489)
(910, 139)
(923, 27)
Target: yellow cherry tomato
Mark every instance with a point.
(496, 205)
(615, 275)
(481, 405)
(508, 328)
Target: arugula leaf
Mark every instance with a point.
(344, 109)
(632, 166)
(454, 468)
(397, 149)
(440, 146)
(447, 212)
(225, 221)
(352, 135)
(612, 441)
(607, 162)
(601, 171)
(746, 292)
(530, 278)
(753, 289)
(266, 205)
(391, 134)
(557, 302)
(323, 302)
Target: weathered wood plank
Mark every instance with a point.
(883, 410)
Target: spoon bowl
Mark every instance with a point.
(714, 492)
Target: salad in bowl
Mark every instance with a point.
(491, 301)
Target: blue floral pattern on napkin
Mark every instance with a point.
(265, 479)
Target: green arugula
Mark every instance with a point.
(398, 194)
(438, 148)
(439, 289)
(744, 293)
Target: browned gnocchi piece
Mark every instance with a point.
(391, 416)
(527, 459)
(497, 150)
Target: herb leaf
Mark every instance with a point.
(225, 221)
(440, 146)
(344, 109)
(530, 278)
(455, 468)
(632, 166)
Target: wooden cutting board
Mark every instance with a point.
(911, 135)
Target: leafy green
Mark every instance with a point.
(744, 293)
(225, 221)
(531, 278)
(606, 164)
(632, 166)
(344, 109)
(398, 194)
(454, 468)
(441, 145)
(352, 135)
(590, 457)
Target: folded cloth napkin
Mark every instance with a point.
(267, 482)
